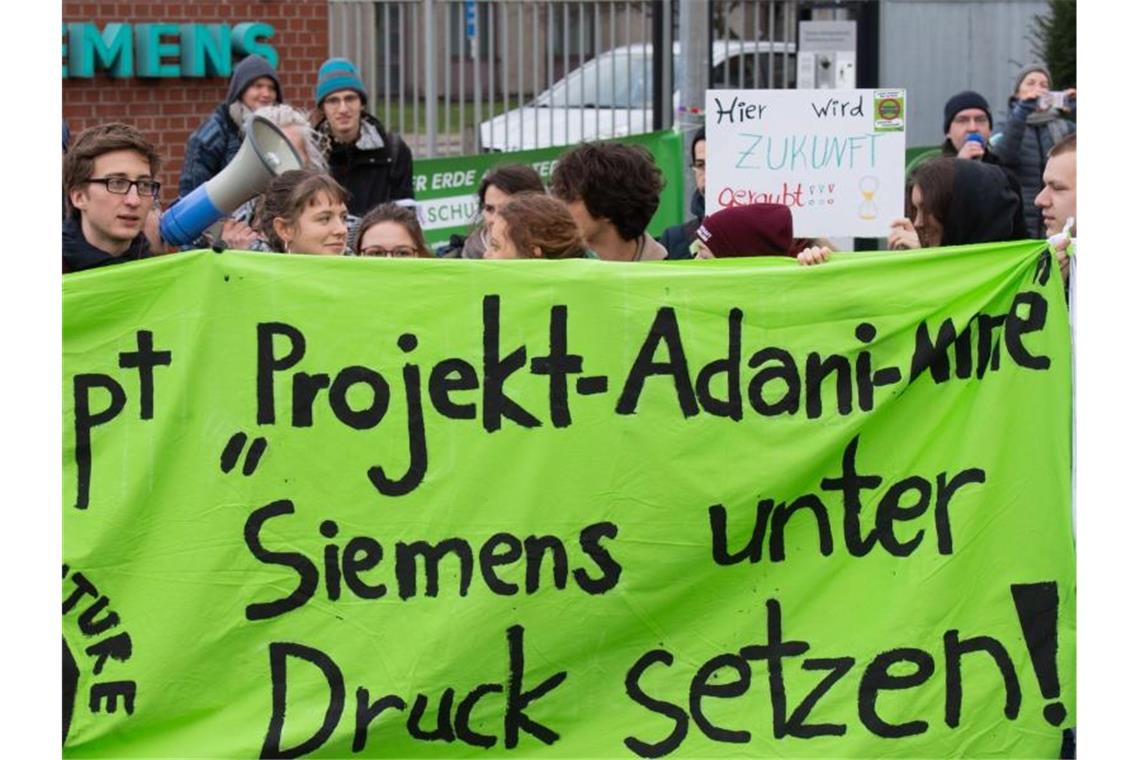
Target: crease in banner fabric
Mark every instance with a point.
(399, 508)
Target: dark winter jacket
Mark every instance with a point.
(211, 147)
(79, 255)
(983, 207)
(697, 204)
(678, 238)
(376, 169)
(1020, 231)
(214, 144)
(1024, 147)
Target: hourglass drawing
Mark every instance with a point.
(868, 187)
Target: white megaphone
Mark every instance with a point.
(265, 154)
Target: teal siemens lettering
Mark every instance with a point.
(162, 50)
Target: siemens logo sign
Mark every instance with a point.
(162, 50)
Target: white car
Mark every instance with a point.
(610, 95)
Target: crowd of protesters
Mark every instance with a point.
(354, 194)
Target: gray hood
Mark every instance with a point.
(250, 68)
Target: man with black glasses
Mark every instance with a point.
(110, 187)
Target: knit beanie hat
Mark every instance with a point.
(962, 101)
(759, 229)
(1026, 71)
(251, 68)
(339, 74)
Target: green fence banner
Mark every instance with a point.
(446, 187)
(341, 507)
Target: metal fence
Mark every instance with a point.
(462, 76)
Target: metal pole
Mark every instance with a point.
(757, 34)
(505, 25)
(658, 57)
(770, 35)
(789, 15)
(534, 55)
(376, 65)
(430, 86)
(550, 23)
(613, 71)
(867, 46)
(387, 60)
(867, 71)
(463, 149)
(447, 79)
(582, 73)
(492, 52)
(629, 104)
(477, 84)
(358, 38)
(695, 54)
(667, 67)
(415, 74)
(663, 65)
(648, 94)
(596, 48)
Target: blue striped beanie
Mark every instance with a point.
(338, 74)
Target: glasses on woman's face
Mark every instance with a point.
(399, 252)
(148, 188)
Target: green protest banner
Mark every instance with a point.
(342, 507)
(446, 187)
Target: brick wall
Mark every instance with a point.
(168, 110)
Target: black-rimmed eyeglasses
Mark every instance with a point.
(122, 185)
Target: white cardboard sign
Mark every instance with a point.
(835, 157)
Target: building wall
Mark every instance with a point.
(168, 110)
(936, 49)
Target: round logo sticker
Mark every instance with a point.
(889, 108)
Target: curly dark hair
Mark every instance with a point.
(615, 181)
(537, 220)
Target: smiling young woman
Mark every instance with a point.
(304, 211)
